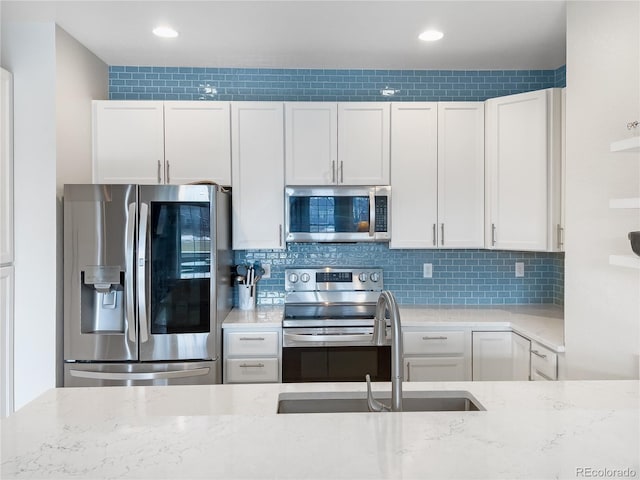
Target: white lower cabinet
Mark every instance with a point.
(436, 355)
(544, 363)
(500, 356)
(252, 356)
(6, 340)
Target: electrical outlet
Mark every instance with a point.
(519, 269)
(267, 270)
(427, 270)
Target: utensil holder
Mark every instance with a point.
(246, 301)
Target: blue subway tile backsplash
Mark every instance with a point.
(276, 84)
(460, 277)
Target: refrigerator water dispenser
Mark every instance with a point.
(102, 305)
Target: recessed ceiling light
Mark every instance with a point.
(430, 35)
(165, 32)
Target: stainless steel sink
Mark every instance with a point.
(343, 402)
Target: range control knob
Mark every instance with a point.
(362, 277)
(375, 276)
(305, 277)
(293, 277)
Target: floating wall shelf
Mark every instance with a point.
(630, 261)
(627, 145)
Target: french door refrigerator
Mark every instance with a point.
(147, 283)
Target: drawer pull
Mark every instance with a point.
(546, 377)
(260, 339)
(252, 365)
(434, 338)
(538, 354)
(408, 371)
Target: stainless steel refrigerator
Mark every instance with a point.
(146, 283)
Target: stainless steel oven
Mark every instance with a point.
(328, 326)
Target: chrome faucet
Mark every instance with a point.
(387, 303)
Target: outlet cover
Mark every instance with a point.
(519, 269)
(427, 270)
(267, 270)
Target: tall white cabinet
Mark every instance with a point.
(337, 143)
(154, 142)
(6, 244)
(437, 175)
(523, 156)
(258, 175)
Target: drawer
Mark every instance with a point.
(251, 343)
(251, 370)
(544, 363)
(435, 369)
(434, 343)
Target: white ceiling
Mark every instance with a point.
(312, 34)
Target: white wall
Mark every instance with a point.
(602, 302)
(28, 51)
(81, 77)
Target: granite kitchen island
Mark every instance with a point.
(536, 430)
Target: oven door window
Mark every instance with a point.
(328, 214)
(336, 364)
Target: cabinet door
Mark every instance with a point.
(6, 341)
(311, 133)
(518, 171)
(363, 143)
(257, 174)
(128, 142)
(521, 357)
(197, 142)
(492, 356)
(434, 369)
(460, 175)
(6, 168)
(414, 175)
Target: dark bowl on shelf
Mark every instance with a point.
(634, 238)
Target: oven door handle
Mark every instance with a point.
(326, 340)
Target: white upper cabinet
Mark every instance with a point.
(152, 142)
(197, 142)
(523, 177)
(128, 142)
(6, 168)
(258, 174)
(437, 175)
(363, 143)
(337, 143)
(414, 175)
(311, 133)
(461, 175)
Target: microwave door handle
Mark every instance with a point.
(372, 213)
(128, 277)
(142, 262)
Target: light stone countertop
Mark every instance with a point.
(530, 430)
(542, 323)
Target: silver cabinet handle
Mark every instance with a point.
(280, 234)
(442, 234)
(538, 354)
(195, 372)
(435, 233)
(372, 214)
(341, 171)
(559, 232)
(259, 339)
(434, 338)
(408, 371)
(128, 276)
(142, 262)
(546, 377)
(493, 234)
(159, 172)
(252, 365)
(333, 171)
(168, 179)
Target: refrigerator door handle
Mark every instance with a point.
(194, 372)
(129, 294)
(142, 262)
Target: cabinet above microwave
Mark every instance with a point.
(337, 214)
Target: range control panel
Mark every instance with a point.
(333, 279)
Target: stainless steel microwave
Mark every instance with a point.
(338, 214)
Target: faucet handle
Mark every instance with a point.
(373, 404)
